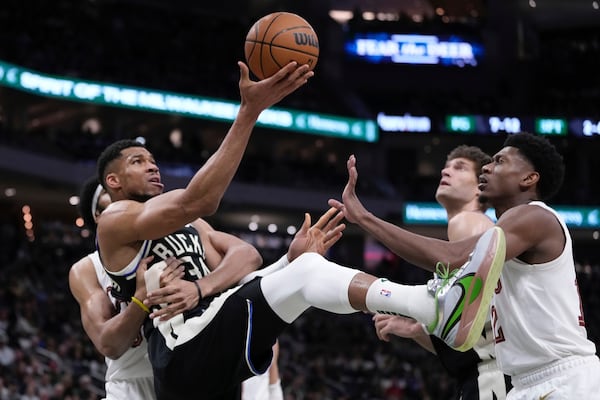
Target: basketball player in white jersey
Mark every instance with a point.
(113, 326)
(538, 321)
(476, 371)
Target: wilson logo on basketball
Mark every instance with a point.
(305, 39)
(277, 39)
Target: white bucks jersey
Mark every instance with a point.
(536, 312)
(134, 363)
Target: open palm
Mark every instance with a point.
(317, 238)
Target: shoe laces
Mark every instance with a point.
(441, 277)
(442, 281)
(443, 274)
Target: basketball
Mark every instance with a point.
(277, 39)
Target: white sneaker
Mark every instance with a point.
(463, 295)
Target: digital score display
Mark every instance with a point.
(489, 125)
(500, 124)
(551, 126)
(585, 127)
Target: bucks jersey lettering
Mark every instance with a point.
(183, 244)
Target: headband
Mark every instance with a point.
(95, 199)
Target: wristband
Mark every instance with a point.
(199, 291)
(140, 304)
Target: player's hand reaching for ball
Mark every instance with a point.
(258, 96)
(350, 205)
(317, 238)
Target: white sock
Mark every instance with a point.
(413, 301)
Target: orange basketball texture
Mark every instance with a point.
(277, 39)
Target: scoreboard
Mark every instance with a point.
(494, 124)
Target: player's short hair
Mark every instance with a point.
(87, 193)
(544, 157)
(472, 153)
(111, 153)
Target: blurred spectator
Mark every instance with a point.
(7, 354)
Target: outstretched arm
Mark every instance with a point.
(416, 249)
(210, 182)
(163, 214)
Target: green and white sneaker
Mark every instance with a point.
(463, 295)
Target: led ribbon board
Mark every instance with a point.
(434, 214)
(175, 103)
